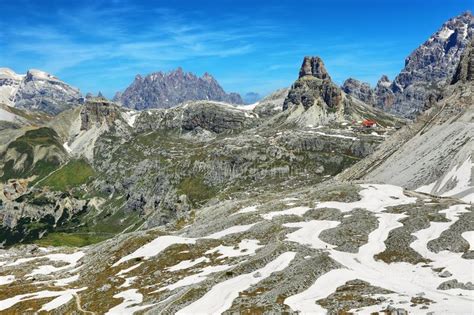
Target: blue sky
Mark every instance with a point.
(247, 45)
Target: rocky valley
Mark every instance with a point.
(174, 197)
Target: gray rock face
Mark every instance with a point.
(40, 91)
(384, 96)
(198, 116)
(465, 70)
(97, 112)
(271, 104)
(165, 90)
(361, 90)
(427, 69)
(431, 65)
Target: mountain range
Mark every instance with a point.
(165, 90)
(315, 199)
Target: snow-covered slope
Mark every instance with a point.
(7, 116)
(360, 248)
(457, 182)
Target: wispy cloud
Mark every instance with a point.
(100, 34)
(247, 45)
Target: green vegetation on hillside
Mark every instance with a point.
(196, 190)
(24, 146)
(73, 174)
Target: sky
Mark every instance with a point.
(248, 46)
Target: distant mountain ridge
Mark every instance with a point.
(165, 90)
(37, 91)
(427, 69)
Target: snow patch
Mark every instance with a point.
(128, 306)
(6, 279)
(186, 264)
(7, 116)
(445, 33)
(154, 247)
(232, 230)
(247, 210)
(195, 278)
(374, 198)
(221, 296)
(244, 248)
(407, 280)
(299, 211)
(130, 117)
(70, 259)
(62, 298)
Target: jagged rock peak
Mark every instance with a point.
(208, 77)
(314, 66)
(360, 90)
(465, 70)
(384, 81)
(165, 90)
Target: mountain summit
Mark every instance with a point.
(165, 90)
(314, 66)
(427, 69)
(37, 91)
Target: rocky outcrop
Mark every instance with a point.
(271, 104)
(465, 70)
(360, 90)
(165, 90)
(384, 96)
(198, 117)
(98, 111)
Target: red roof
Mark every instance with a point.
(368, 122)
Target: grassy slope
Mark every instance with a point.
(73, 174)
(24, 145)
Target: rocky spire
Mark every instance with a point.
(314, 66)
(309, 92)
